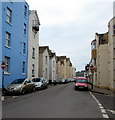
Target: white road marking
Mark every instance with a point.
(112, 111)
(105, 116)
(100, 106)
(103, 111)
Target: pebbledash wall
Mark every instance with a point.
(14, 39)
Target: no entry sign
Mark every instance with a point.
(3, 65)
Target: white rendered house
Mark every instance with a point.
(33, 44)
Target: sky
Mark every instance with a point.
(69, 26)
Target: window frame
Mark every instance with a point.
(8, 15)
(25, 29)
(114, 29)
(33, 70)
(8, 39)
(7, 61)
(33, 53)
(25, 10)
(24, 48)
(23, 67)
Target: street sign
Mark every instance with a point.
(3, 65)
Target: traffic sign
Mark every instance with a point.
(3, 65)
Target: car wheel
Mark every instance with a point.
(23, 91)
(34, 89)
(41, 87)
(46, 86)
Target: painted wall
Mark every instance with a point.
(52, 68)
(16, 29)
(42, 64)
(33, 42)
(111, 47)
(0, 43)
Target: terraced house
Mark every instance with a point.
(44, 62)
(14, 45)
(102, 64)
(33, 44)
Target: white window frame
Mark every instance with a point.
(25, 10)
(8, 39)
(25, 29)
(7, 61)
(46, 60)
(24, 48)
(33, 70)
(33, 53)
(23, 67)
(113, 29)
(9, 15)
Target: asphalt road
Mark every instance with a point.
(60, 101)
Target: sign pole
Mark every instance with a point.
(2, 82)
(3, 66)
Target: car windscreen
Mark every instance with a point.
(36, 79)
(18, 81)
(81, 81)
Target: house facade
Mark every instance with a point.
(58, 68)
(14, 39)
(101, 69)
(111, 50)
(52, 67)
(33, 44)
(44, 62)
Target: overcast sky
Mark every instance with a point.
(69, 26)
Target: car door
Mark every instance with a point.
(29, 85)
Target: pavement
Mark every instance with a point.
(103, 91)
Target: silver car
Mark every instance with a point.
(20, 86)
(40, 83)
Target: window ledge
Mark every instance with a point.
(23, 73)
(33, 57)
(9, 23)
(6, 73)
(7, 46)
(25, 35)
(25, 17)
(23, 54)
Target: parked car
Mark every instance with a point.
(20, 86)
(81, 83)
(40, 83)
(62, 80)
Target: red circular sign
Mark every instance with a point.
(3, 65)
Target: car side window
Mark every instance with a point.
(28, 81)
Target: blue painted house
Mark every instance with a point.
(14, 41)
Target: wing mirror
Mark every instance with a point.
(25, 82)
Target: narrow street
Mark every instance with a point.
(60, 101)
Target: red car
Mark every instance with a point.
(81, 83)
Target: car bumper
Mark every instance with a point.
(81, 87)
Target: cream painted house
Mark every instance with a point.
(63, 66)
(102, 60)
(44, 62)
(68, 68)
(52, 67)
(111, 50)
(58, 68)
(73, 72)
(33, 44)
